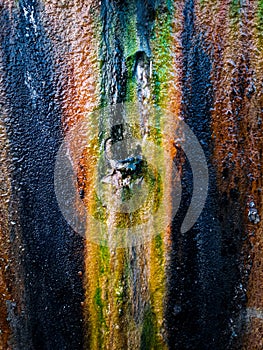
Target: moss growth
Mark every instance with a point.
(104, 259)
(101, 322)
(159, 244)
(98, 210)
(234, 11)
(99, 304)
(109, 289)
(162, 68)
(149, 330)
(161, 51)
(131, 83)
(260, 23)
(157, 288)
(131, 44)
(118, 300)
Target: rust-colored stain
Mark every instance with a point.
(11, 247)
(232, 39)
(5, 246)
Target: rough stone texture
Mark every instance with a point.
(201, 60)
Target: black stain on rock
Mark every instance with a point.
(204, 303)
(52, 316)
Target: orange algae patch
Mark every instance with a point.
(237, 135)
(77, 75)
(11, 251)
(5, 191)
(172, 102)
(75, 56)
(93, 310)
(254, 337)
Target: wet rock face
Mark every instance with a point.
(49, 314)
(61, 60)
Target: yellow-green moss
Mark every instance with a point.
(260, 24)
(235, 11)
